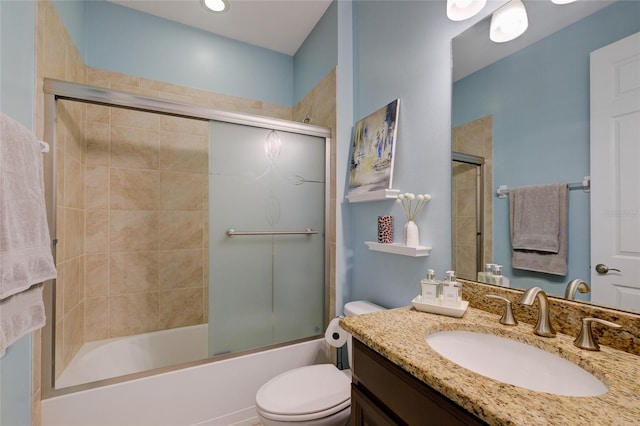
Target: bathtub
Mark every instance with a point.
(220, 393)
(115, 357)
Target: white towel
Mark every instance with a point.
(25, 246)
(20, 314)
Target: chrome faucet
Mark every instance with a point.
(576, 285)
(543, 327)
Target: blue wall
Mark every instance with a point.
(73, 14)
(17, 95)
(124, 40)
(318, 54)
(402, 50)
(550, 143)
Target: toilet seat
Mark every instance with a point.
(305, 393)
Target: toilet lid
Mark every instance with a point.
(306, 390)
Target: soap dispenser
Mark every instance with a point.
(498, 278)
(483, 276)
(431, 289)
(451, 291)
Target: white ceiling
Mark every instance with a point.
(257, 22)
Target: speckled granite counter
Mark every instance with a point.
(399, 335)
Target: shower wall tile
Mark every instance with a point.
(73, 183)
(71, 285)
(98, 114)
(97, 231)
(180, 308)
(98, 143)
(73, 333)
(74, 231)
(96, 187)
(60, 235)
(186, 126)
(96, 275)
(96, 317)
(132, 230)
(133, 189)
(134, 272)
(138, 119)
(180, 230)
(134, 148)
(134, 314)
(181, 269)
(183, 153)
(182, 191)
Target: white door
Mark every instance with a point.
(615, 174)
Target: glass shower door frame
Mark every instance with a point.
(55, 90)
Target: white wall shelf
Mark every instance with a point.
(383, 194)
(397, 248)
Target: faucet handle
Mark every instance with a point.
(507, 316)
(585, 339)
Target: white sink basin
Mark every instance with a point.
(516, 363)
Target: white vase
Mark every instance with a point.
(411, 234)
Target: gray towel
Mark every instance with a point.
(20, 314)
(555, 210)
(25, 245)
(535, 213)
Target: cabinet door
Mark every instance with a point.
(365, 412)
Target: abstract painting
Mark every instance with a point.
(372, 150)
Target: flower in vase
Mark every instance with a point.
(412, 204)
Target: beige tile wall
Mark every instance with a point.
(146, 210)
(475, 138)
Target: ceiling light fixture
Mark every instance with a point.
(562, 1)
(508, 22)
(459, 10)
(216, 5)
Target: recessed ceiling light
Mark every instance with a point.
(216, 5)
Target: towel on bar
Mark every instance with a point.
(538, 216)
(25, 245)
(20, 314)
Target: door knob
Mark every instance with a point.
(603, 269)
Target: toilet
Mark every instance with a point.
(314, 395)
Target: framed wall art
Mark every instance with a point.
(372, 152)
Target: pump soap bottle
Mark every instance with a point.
(483, 276)
(451, 291)
(431, 289)
(498, 278)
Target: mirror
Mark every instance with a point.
(523, 108)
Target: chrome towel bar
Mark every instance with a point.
(232, 232)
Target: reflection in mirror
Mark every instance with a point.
(529, 101)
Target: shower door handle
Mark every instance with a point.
(232, 232)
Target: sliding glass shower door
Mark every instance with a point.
(266, 237)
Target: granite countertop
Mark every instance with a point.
(399, 335)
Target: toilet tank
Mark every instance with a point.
(358, 307)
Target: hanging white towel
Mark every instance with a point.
(25, 246)
(20, 314)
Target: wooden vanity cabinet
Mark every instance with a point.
(384, 394)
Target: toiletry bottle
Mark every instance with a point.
(431, 289)
(451, 291)
(491, 278)
(483, 276)
(498, 278)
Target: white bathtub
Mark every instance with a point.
(115, 357)
(220, 393)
